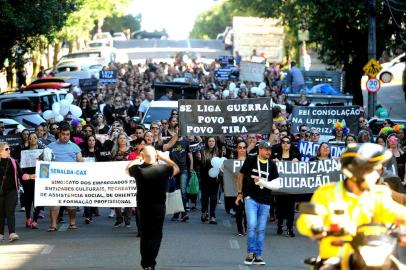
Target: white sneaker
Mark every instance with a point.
(13, 237)
(112, 213)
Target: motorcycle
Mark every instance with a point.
(373, 246)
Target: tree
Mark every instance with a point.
(339, 29)
(119, 24)
(22, 22)
(212, 22)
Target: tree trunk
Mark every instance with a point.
(57, 49)
(49, 64)
(36, 55)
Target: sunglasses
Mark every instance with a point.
(154, 127)
(242, 147)
(6, 149)
(384, 123)
(303, 130)
(285, 142)
(164, 123)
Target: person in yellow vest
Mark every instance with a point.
(358, 199)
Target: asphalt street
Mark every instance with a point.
(190, 245)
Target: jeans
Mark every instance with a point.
(182, 180)
(257, 218)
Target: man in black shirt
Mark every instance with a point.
(257, 199)
(151, 179)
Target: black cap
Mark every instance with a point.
(265, 144)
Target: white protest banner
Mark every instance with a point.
(225, 117)
(29, 157)
(97, 184)
(231, 169)
(323, 118)
(253, 72)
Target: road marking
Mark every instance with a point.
(226, 223)
(48, 249)
(234, 244)
(63, 228)
(243, 267)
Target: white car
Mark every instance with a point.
(104, 36)
(10, 124)
(393, 70)
(119, 36)
(97, 44)
(158, 110)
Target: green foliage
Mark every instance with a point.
(338, 28)
(212, 22)
(120, 23)
(22, 22)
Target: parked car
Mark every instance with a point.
(76, 65)
(41, 93)
(119, 36)
(104, 36)
(26, 118)
(393, 70)
(11, 124)
(97, 44)
(142, 34)
(158, 110)
(102, 56)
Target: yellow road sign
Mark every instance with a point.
(372, 68)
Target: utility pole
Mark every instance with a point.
(371, 50)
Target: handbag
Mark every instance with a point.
(193, 186)
(174, 203)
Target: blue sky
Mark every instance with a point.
(176, 16)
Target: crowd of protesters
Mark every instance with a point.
(108, 131)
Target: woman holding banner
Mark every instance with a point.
(120, 152)
(89, 154)
(323, 152)
(29, 186)
(240, 217)
(285, 204)
(10, 175)
(209, 183)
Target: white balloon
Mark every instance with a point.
(260, 92)
(64, 107)
(213, 172)
(56, 108)
(232, 86)
(254, 90)
(215, 162)
(59, 118)
(242, 85)
(69, 98)
(262, 85)
(75, 110)
(48, 114)
(226, 93)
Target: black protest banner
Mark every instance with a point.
(324, 117)
(108, 76)
(309, 149)
(305, 177)
(222, 117)
(88, 85)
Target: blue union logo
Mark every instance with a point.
(44, 171)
